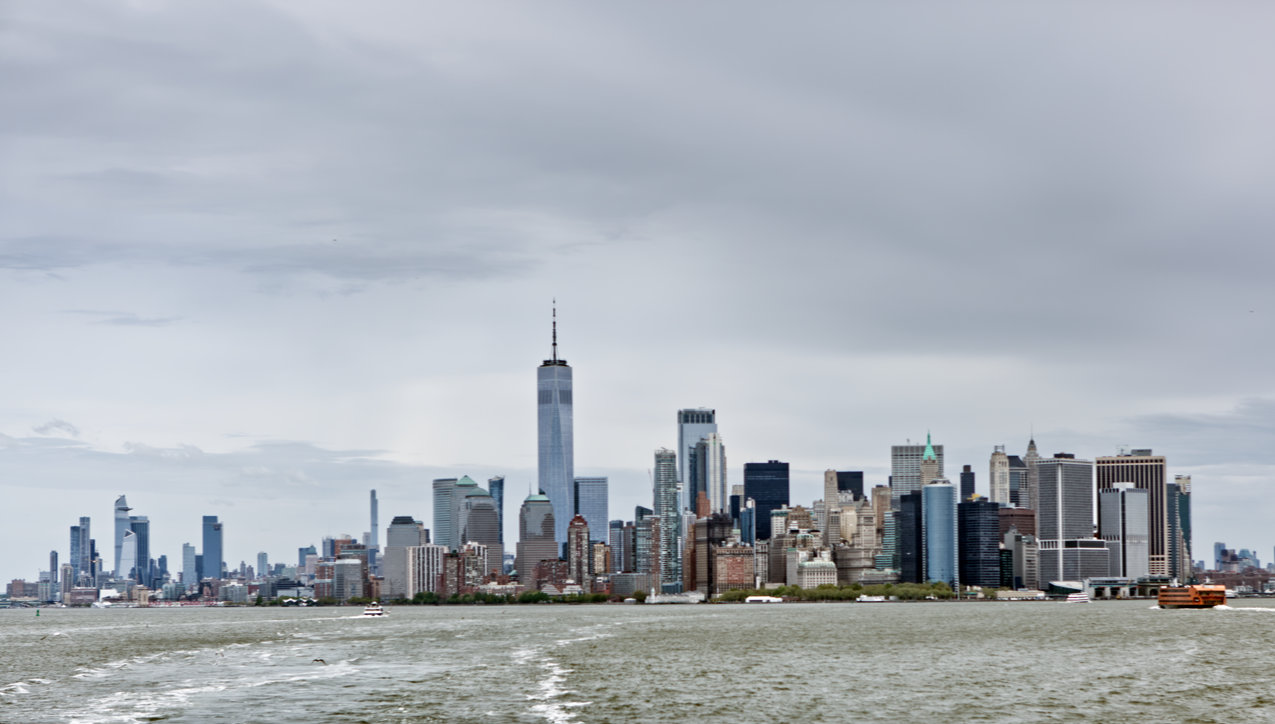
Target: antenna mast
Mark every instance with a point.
(555, 330)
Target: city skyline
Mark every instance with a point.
(232, 296)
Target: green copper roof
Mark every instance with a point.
(537, 497)
(929, 449)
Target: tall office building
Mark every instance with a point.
(1124, 523)
(850, 481)
(979, 529)
(998, 477)
(479, 523)
(463, 488)
(707, 471)
(908, 546)
(967, 490)
(536, 541)
(589, 499)
(767, 484)
(669, 515)
(373, 541)
(82, 549)
(938, 508)
(263, 564)
(615, 539)
(1147, 472)
(556, 453)
(1178, 510)
(212, 554)
(693, 424)
(140, 525)
(579, 552)
(1064, 522)
(190, 571)
(444, 502)
(905, 467)
(496, 486)
(128, 555)
(121, 527)
(1030, 460)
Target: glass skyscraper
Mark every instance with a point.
(767, 484)
(121, 527)
(444, 529)
(555, 451)
(212, 557)
(667, 512)
(590, 501)
(692, 426)
(496, 486)
(938, 508)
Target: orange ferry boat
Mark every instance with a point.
(1204, 596)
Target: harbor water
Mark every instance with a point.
(1039, 661)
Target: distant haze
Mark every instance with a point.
(260, 257)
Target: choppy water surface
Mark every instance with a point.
(781, 663)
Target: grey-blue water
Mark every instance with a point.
(1120, 661)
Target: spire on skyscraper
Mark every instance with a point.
(929, 451)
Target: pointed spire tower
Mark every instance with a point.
(931, 466)
(555, 449)
(1029, 497)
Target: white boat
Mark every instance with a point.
(1080, 597)
(870, 599)
(763, 599)
(373, 609)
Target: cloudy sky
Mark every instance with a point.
(260, 257)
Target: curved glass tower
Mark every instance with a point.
(556, 453)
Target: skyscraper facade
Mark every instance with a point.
(669, 515)
(1147, 472)
(535, 537)
(121, 527)
(140, 525)
(708, 470)
(212, 548)
(579, 551)
(190, 570)
(1178, 510)
(444, 529)
(1124, 523)
(128, 555)
(767, 484)
(967, 488)
(496, 486)
(938, 508)
(589, 499)
(693, 424)
(998, 477)
(373, 541)
(555, 449)
(979, 529)
(908, 546)
(1064, 521)
(479, 524)
(905, 468)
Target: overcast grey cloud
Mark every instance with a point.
(272, 254)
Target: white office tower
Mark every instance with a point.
(1124, 522)
(693, 425)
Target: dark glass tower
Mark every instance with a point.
(212, 560)
(767, 484)
(967, 487)
(850, 481)
(911, 542)
(979, 530)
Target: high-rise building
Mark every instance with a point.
(479, 524)
(615, 539)
(909, 539)
(121, 527)
(767, 484)
(347, 578)
(1064, 521)
(496, 486)
(141, 527)
(556, 453)
(1147, 472)
(263, 564)
(579, 552)
(693, 424)
(373, 541)
(980, 538)
(128, 555)
(905, 467)
(938, 508)
(589, 499)
(850, 481)
(1123, 522)
(707, 471)
(998, 477)
(667, 512)
(1178, 510)
(1031, 459)
(212, 548)
(1019, 496)
(404, 532)
(445, 532)
(536, 541)
(190, 569)
(967, 491)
